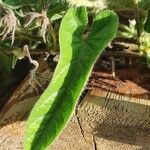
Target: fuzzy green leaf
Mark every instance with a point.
(77, 57)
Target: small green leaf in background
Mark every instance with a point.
(6, 62)
(147, 25)
(56, 11)
(148, 57)
(144, 4)
(20, 2)
(77, 57)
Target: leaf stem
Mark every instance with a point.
(28, 36)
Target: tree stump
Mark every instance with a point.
(115, 114)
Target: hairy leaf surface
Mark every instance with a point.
(78, 53)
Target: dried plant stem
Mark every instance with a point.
(33, 79)
(53, 34)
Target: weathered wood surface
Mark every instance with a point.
(125, 97)
(106, 119)
(102, 127)
(113, 108)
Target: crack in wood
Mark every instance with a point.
(94, 142)
(79, 123)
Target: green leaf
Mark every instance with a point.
(6, 62)
(148, 57)
(20, 2)
(56, 11)
(77, 57)
(147, 25)
(144, 4)
(14, 62)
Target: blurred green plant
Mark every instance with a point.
(29, 22)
